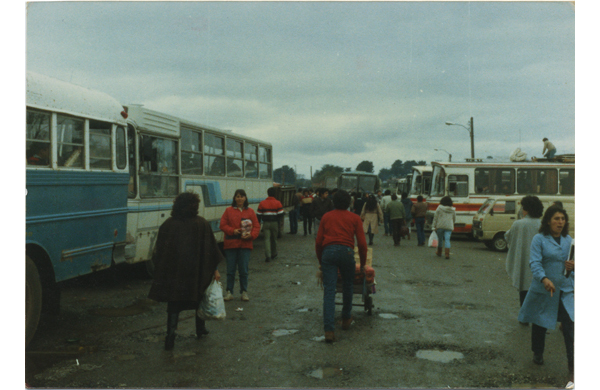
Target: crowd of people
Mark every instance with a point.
(186, 256)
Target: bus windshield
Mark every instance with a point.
(420, 183)
(360, 183)
(438, 181)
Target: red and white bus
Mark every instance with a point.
(469, 184)
(420, 183)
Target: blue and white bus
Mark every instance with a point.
(170, 155)
(77, 176)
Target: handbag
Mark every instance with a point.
(212, 306)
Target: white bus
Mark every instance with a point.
(170, 155)
(420, 183)
(470, 184)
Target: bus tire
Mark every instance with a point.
(499, 243)
(33, 299)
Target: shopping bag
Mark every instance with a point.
(433, 240)
(212, 306)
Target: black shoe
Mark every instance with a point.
(201, 327)
(538, 358)
(267, 260)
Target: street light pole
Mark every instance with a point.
(449, 155)
(471, 133)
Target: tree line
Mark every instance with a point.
(287, 176)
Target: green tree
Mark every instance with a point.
(320, 176)
(396, 169)
(366, 166)
(284, 175)
(384, 174)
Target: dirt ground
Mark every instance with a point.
(427, 309)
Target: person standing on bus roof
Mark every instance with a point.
(241, 227)
(270, 214)
(549, 146)
(443, 224)
(185, 259)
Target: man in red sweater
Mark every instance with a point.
(335, 249)
(270, 213)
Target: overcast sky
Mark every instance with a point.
(333, 83)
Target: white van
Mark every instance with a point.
(497, 214)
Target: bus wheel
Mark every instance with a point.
(33, 299)
(500, 243)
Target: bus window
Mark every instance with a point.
(38, 138)
(100, 156)
(264, 167)
(567, 181)
(367, 184)
(70, 141)
(191, 152)
(458, 185)
(251, 156)
(495, 181)
(214, 155)
(158, 167)
(121, 148)
(234, 158)
(538, 181)
(439, 182)
(349, 183)
(132, 191)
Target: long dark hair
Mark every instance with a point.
(240, 192)
(371, 204)
(185, 205)
(550, 211)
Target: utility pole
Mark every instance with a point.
(472, 140)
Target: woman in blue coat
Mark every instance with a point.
(551, 295)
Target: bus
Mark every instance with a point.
(357, 181)
(76, 179)
(420, 183)
(403, 184)
(169, 155)
(469, 184)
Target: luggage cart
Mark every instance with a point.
(364, 284)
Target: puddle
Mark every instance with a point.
(318, 338)
(303, 310)
(439, 356)
(326, 372)
(284, 332)
(388, 315)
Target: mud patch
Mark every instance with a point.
(439, 356)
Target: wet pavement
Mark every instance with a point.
(436, 323)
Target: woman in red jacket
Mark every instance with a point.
(241, 227)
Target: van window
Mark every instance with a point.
(505, 207)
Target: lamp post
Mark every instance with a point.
(470, 130)
(449, 155)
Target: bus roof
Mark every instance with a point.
(422, 168)
(161, 123)
(360, 173)
(528, 164)
(47, 93)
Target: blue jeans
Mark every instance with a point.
(420, 225)
(293, 216)
(334, 257)
(386, 223)
(550, 153)
(445, 235)
(237, 258)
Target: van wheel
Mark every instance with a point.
(33, 299)
(499, 243)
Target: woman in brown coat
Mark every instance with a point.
(372, 216)
(185, 259)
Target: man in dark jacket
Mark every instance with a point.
(320, 205)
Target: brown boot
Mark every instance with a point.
(346, 323)
(447, 252)
(329, 337)
(439, 251)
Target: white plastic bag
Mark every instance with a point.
(433, 240)
(212, 306)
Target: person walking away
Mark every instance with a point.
(443, 224)
(270, 213)
(241, 228)
(396, 210)
(307, 220)
(551, 294)
(185, 260)
(372, 216)
(293, 214)
(320, 205)
(387, 198)
(407, 209)
(359, 202)
(334, 247)
(548, 146)
(519, 239)
(419, 211)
